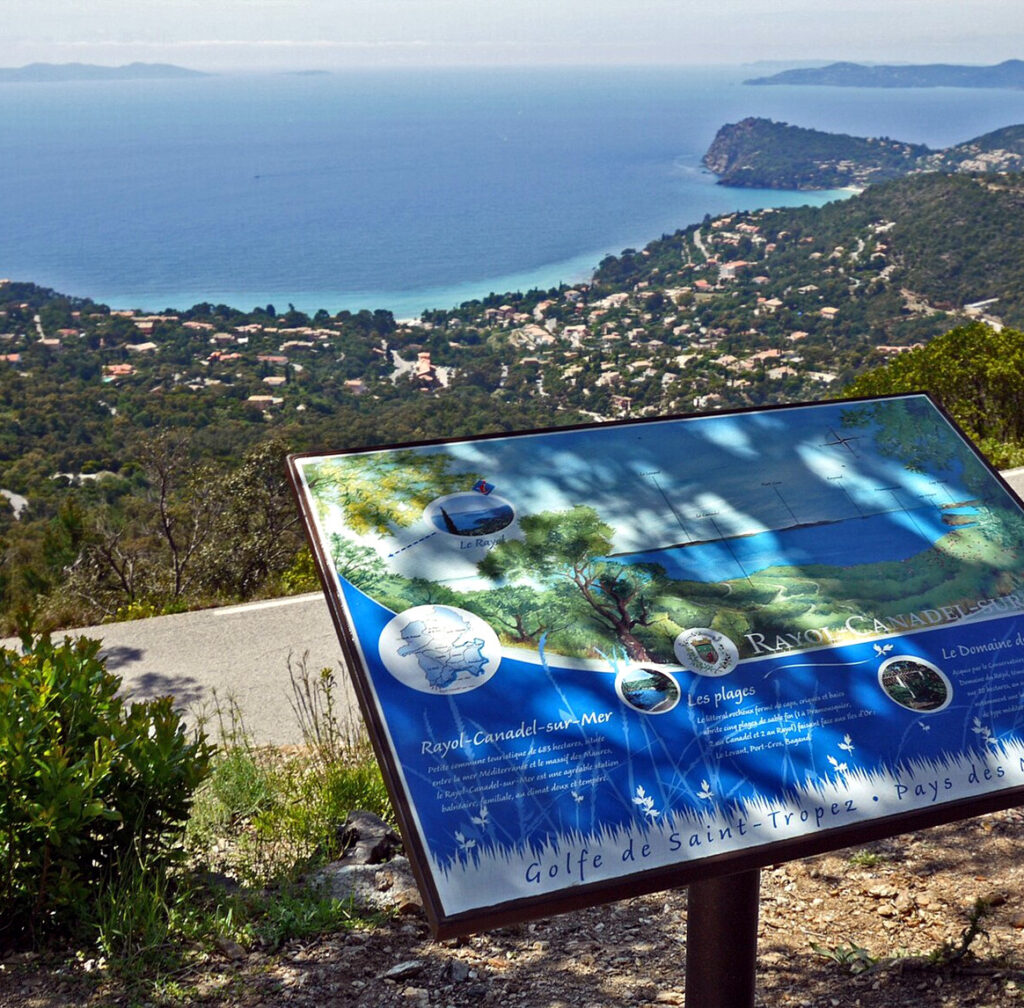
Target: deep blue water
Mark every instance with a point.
(395, 189)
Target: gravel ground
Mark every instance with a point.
(883, 907)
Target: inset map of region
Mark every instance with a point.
(439, 649)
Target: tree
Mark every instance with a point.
(255, 532)
(146, 547)
(571, 546)
(976, 373)
(522, 613)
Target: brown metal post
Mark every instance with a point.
(721, 941)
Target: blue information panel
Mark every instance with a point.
(608, 659)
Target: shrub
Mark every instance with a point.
(88, 785)
(265, 815)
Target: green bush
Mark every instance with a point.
(88, 786)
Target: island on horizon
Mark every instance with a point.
(1008, 74)
(46, 72)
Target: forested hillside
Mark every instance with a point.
(763, 154)
(141, 455)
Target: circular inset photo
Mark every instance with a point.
(439, 649)
(647, 690)
(706, 652)
(915, 684)
(470, 514)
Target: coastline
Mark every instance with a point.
(411, 303)
(273, 210)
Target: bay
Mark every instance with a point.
(397, 189)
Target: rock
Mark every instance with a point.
(404, 970)
(366, 839)
(882, 891)
(408, 901)
(369, 886)
(905, 903)
(231, 949)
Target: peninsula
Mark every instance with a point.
(763, 154)
(1008, 74)
(47, 72)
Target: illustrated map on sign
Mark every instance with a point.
(652, 643)
(632, 537)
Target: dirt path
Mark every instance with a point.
(895, 900)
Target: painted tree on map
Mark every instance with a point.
(385, 491)
(522, 614)
(570, 547)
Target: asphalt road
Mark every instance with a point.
(239, 655)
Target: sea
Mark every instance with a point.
(403, 190)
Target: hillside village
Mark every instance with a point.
(740, 310)
(129, 440)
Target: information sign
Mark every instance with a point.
(608, 659)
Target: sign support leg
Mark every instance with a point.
(721, 941)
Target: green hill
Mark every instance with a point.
(149, 447)
(763, 154)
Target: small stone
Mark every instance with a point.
(408, 901)
(404, 970)
(458, 971)
(231, 949)
(882, 891)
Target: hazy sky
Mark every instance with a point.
(224, 34)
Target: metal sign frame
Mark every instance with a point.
(610, 659)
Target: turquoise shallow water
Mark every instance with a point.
(398, 189)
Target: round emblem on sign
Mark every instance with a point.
(706, 652)
(915, 684)
(647, 690)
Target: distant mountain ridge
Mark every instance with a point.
(763, 154)
(1008, 74)
(45, 72)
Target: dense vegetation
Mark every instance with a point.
(763, 154)
(141, 457)
(93, 794)
(139, 847)
(977, 374)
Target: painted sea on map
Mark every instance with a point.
(673, 639)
